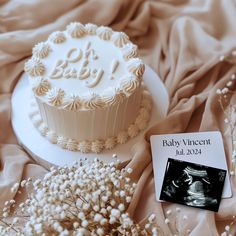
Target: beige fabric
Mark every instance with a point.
(180, 40)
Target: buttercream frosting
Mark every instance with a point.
(129, 51)
(57, 37)
(84, 146)
(104, 32)
(87, 79)
(140, 119)
(97, 146)
(55, 96)
(94, 102)
(114, 66)
(88, 69)
(133, 130)
(41, 86)
(136, 66)
(141, 123)
(147, 103)
(122, 137)
(129, 84)
(144, 113)
(110, 143)
(76, 30)
(120, 39)
(34, 67)
(91, 28)
(72, 102)
(41, 50)
(62, 141)
(71, 145)
(52, 136)
(120, 96)
(115, 97)
(43, 129)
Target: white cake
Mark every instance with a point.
(87, 83)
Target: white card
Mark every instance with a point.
(204, 148)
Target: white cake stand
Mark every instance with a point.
(47, 154)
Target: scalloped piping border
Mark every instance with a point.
(98, 145)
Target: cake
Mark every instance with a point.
(88, 89)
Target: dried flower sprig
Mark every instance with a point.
(231, 57)
(88, 198)
(230, 117)
(230, 120)
(228, 228)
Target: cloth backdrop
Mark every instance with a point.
(181, 40)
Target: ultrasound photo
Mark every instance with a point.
(193, 184)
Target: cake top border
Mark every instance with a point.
(57, 97)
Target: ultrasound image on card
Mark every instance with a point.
(193, 184)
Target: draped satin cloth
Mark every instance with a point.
(181, 40)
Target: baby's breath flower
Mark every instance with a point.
(15, 187)
(5, 214)
(178, 209)
(88, 198)
(23, 183)
(151, 218)
(227, 227)
(168, 212)
(167, 221)
(129, 170)
(128, 199)
(225, 90)
(222, 58)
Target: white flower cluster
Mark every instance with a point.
(88, 198)
(230, 120)
(231, 57)
(230, 116)
(227, 87)
(228, 228)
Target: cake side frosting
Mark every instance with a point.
(91, 124)
(93, 59)
(98, 144)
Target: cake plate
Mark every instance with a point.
(47, 154)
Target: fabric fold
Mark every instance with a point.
(181, 40)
